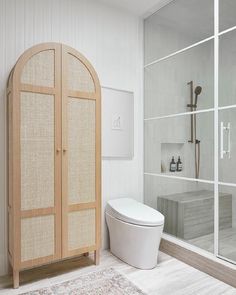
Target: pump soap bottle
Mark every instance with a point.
(179, 165)
(173, 165)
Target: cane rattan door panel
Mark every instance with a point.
(81, 150)
(37, 150)
(39, 69)
(37, 237)
(79, 78)
(81, 229)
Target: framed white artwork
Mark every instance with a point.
(117, 123)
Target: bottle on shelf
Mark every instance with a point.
(163, 169)
(179, 165)
(173, 165)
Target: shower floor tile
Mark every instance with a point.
(227, 243)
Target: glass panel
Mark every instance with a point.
(166, 83)
(37, 150)
(227, 145)
(81, 150)
(188, 207)
(168, 137)
(227, 219)
(177, 25)
(227, 14)
(227, 69)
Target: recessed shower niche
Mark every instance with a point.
(171, 136)
(169, 150)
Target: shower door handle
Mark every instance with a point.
(222, 130)
(229, 140)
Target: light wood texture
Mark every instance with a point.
(81, 158)
(82, 206)
(200, 262)
(97, 257)
(16, 278)
(58, 147)
(24, 130)
(37, 89)
(79, 94)
(38, 95)
(80, 251)
(170, 277)
(37, 212)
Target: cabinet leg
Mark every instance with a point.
(10, 269)
(97, 257)
(86, 254)
(16, 278)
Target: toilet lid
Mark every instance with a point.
(131, 211)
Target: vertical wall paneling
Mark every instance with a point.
(3, 242)
(111, 39)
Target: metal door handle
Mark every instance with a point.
(222, 129)
(229, 140)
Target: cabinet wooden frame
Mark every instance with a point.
(61, 206)
(66, 208)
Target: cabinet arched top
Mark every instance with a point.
(41, 65)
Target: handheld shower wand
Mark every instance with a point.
(197, 91)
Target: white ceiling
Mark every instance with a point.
(138, 7)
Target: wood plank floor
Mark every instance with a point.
(170, 277)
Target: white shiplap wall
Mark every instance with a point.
(111, 39)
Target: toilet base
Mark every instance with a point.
(134, 244)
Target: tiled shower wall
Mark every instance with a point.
(167, 92)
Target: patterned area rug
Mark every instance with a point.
(103, 282)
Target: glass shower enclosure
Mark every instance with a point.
(190, 121)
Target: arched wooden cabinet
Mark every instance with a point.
(54, 108)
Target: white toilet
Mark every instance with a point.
(135, 232)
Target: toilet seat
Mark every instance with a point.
(131, 211)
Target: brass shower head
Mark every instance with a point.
(198, 90)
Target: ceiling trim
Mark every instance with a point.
(156, 7)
